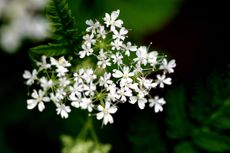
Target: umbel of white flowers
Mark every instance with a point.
(123, 69)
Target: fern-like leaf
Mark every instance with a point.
(65, 39)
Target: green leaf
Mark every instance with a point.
(185, 147)
(176, 117)
(48, 50)
(63, 23)
(211, 141)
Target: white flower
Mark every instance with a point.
(38, 99)
(92, 26)
(78, 76)
(161, 80)
(105, 80)
(61, 71)
(63, 82)
(43, 65)
(168, 66)
(124, 75)
(129, 48)
(116, 44)
(142, 55)
(77, 88)
(60, 62)
(101, 32)
(140, 101)
(103, 61)
(45, 84)
(61, 65)
(152, 58)
(157, 103)
(89, 75)
(31, 77)
(54, 98)
(120, 35)
(117, 58)
(90, 89)
(112, 95)
(89, 39)
(63, 110)
(111, 20)
(147, 83)
(87, 50)
(123, 93)
(86, 103)
(76, 100)
(105, 113)
(60, 93)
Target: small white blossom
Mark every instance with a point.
(116, 44)
(38, 99)
(124, 75)
(152, 58)
(76, 100)
(87, 50)
(63, 110)
(129, 48)
(78, 76)
(92, 27)
(140, 101)
(105, 80)
(63, 82)
(61, 65)
(89, 75)
(168, 66)
(103, 60)
(161, 80)
(89, 39)
(31, 77)
(124, 93)
(120, 35)
(117, 58)
(46, 84)
(60, 93)
(86, 103)
(89, 89)
(157, 103)
(111, 20)
(101, 33)
(142, 55)
(105, 113)
(43, 65)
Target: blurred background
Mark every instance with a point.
(196, 118)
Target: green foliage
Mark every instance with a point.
(140, 16)
(144, 135)
(200, 123)
(72, 145)
(65, 38)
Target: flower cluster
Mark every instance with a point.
(120, 74)
(21, 20)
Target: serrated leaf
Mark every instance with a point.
(211, 141)
(185, 147)
(63, 24)
(49, 50)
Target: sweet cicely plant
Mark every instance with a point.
(98, 72)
